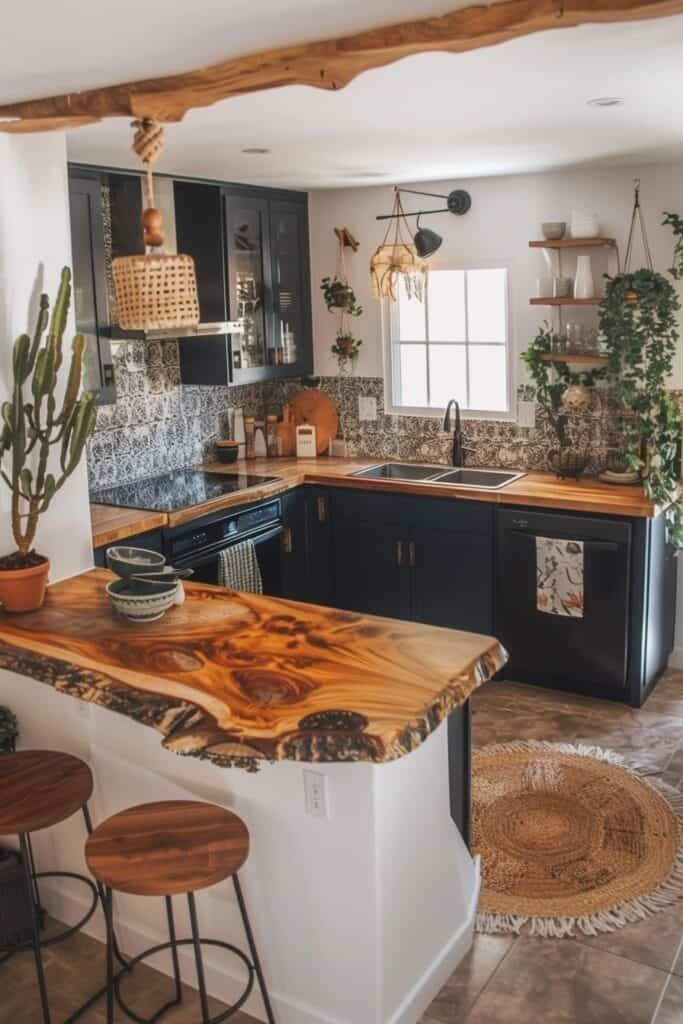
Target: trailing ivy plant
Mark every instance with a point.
(551, 380)
(676, 224)
(338, 294)
(638, 319)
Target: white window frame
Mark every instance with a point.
(392, 371)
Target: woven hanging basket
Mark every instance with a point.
(155, 292)
(389, 262)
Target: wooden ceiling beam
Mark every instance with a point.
(329, 64)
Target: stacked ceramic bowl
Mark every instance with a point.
(584, 225)
(146, 587)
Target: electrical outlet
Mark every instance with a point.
(315, 794)
(367, 407)
(526, 414)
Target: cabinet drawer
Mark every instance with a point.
(414, 511)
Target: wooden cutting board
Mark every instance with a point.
(318, 409)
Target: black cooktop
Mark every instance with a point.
(178, 490)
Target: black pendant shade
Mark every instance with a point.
(426, 242)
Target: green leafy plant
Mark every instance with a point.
(32, 427)
(638, 318)
(346, 348)
(338, 294)
(9, 730)
(552, 379)
(676, 224)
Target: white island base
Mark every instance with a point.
(359, 918)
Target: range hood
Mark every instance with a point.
(163, 191)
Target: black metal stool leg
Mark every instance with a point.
(117, 951)
(108, 906)
(198, 958)
(252, 950)
(35, 927)
(174, 949)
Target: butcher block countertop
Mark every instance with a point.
(543, 490)
(241, 678)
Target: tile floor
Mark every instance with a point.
(633, 976)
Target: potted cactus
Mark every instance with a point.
(39, 446)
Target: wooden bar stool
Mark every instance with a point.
(168, 849)
(38, 789)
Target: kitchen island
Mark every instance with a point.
(362, 908)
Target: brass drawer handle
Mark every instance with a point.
(287, 541)
(411, 554)
(399, 552)
(322, 508)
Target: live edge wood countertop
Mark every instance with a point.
(542, 490)
(241, 678)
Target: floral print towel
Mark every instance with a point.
(559, 576)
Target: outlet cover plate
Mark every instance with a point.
(367, 407)
(526, 414)
(315, 794)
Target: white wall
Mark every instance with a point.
(34, 246)
(506, 213)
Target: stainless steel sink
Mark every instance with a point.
(477, 479)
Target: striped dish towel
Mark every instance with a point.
(238, 568)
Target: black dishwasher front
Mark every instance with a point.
(586, 652)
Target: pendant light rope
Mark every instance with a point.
(637, 217)
(148, 142)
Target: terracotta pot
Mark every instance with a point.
(346, 345)
(23, 590)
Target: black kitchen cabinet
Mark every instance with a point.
(91, 301)
(306, 546)
(419, 558)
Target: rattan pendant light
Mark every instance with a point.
(156, 291)
(396, 258)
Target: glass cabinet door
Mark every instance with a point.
(288, 273)
(249, 284)
(89, 286)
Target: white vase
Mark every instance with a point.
(584, 286)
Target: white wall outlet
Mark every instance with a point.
(367, 407)
(315, 794)
(526, 414)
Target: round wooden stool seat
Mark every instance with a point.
(167, 848)
(39, 788)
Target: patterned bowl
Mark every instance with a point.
(141, 600)
(125, 561)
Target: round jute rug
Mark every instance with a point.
(571, 839)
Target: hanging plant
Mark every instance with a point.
(641, 339)
(676, 224)
(554, 382)
(338, 294)
(346, 348)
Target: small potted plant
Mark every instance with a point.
(338, 294)
(40, 446)
(346, 348)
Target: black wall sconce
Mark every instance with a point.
(425, 240)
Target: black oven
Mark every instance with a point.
(197, 545)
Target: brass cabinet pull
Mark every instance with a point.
(399, 552)
(411, 554)
(287, 542)
(322, 508)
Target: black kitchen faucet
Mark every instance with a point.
(458, 447)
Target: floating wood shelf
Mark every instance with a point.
(572, 243)
(568, 357)
(565, 302)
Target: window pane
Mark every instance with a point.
(447, 375)
(413, 374)
(411, 316)
(486, 305)
(446, 304)
(488, 377)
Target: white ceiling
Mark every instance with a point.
(513, 108)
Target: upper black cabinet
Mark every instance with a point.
(251, 252)
(91, 303)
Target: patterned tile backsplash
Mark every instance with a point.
(157, 424)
